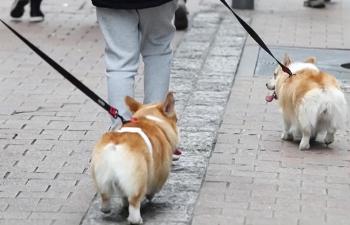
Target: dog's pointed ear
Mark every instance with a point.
(132, 104)
(287, 61)
(169, 104)
(311, 59)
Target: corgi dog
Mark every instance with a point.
(311, 102)
(135, 160)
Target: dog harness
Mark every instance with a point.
(137, 130)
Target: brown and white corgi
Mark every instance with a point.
(311, 101)
(136, 159)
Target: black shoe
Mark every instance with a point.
(181, 20)
(317, 4)
(36, 15)
(17, 9)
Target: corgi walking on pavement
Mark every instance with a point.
(136, 160)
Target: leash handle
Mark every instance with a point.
(257, 38)
(110, 109)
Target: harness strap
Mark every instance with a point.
(257, 38)
(140, 132)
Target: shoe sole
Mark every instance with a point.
(16, 19)
(36, 19)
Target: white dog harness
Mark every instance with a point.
(138, 131)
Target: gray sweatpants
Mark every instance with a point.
(129, 34)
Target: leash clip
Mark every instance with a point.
(114, 113)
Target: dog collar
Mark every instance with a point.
(140, 132)
(134, 120)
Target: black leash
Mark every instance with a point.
(256, 37)
(110, 109)
(345, 65)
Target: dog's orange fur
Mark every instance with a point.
(152, 168)
(291, 90)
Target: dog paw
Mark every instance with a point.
(329, 139)
(304, 146)
(286, 136)
(105, 210)
(134, 220)
(150, 197)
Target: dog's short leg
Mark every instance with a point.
(150, 197)
(134, 209)
(297, 134)
(106, 203)
(329, 136)
(125, 202)
(305, 140)
(286, 135)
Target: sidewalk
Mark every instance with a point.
(229, 134)
(254, 178)
(48, 128)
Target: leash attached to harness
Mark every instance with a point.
(92, 95)
(256, 37)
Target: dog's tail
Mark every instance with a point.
(117, 170)
(333, 108)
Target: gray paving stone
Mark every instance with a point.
(269, 181)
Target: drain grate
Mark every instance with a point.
(333, 61)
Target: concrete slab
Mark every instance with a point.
(329, 60)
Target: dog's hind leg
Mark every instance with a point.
(104, 188)
(306, 131)
(105, 202)
(329, 136)
(305, 140)
(307, 119)
(134, 207)
(150, 197)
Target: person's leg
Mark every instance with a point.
(318, 4)
(181, 20)
(121, 33)
(17, 9)
(36, 15)
(157, 33)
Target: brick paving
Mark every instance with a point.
(288, 23)
(47, 127)
(254, 178)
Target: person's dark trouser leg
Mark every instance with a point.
(17, 9)
(181, 20)
(36, 15)
(315, 3)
